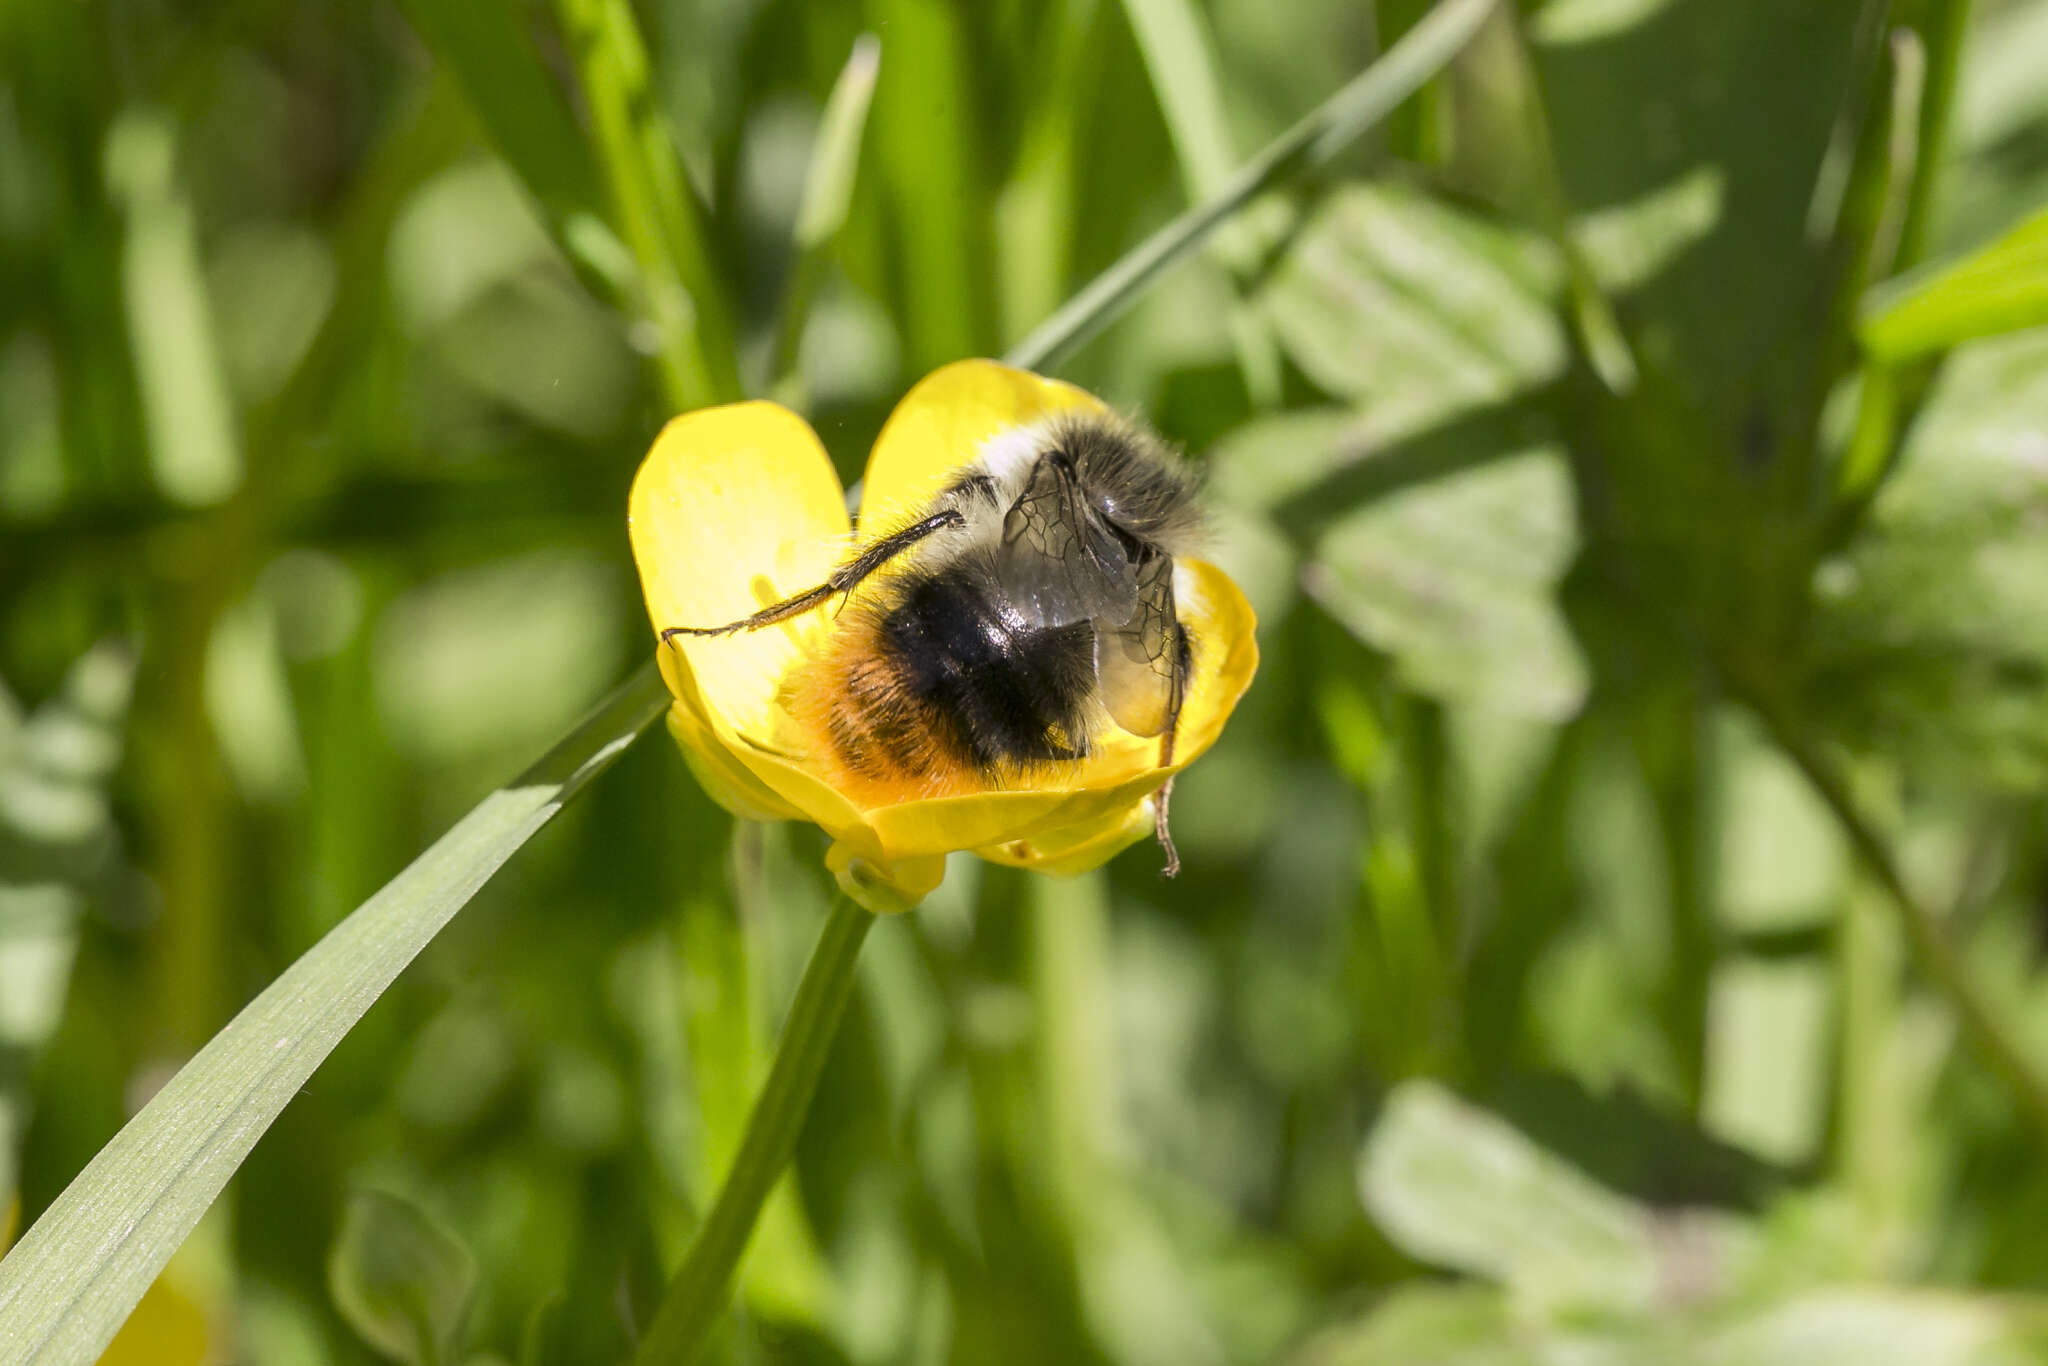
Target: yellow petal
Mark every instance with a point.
(938, 825)
(734, 508)
(720, 773)
(1067, 850)
(941, 424)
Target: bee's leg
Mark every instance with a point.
(1164, 797)
(844, 579)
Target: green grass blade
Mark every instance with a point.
(69, 1284)
(521, 108)
(828, 183)
(1177, 58)
(1334, 125)
(2001, 288)
(658, 213)
(194, 443)
(1183, 71)
(828, 194)
(929, 136)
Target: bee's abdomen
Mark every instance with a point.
(999, 693)
(940, 685)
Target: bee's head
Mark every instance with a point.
(1144, 491)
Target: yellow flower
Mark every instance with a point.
(738, 507)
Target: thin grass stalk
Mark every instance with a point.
(658, 213)
(1314, 141)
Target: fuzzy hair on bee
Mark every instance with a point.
(1026, 609)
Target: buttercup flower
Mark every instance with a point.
(738, 507)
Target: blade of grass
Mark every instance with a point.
(1183, 71)
(1314, 141)
(828, 192)
(928, 138)
(69, 1283)
(1034, 210)
(519, 104)
(657, 212)
(194, 444)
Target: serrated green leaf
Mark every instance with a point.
(1455, 580)
(1456, 1187)
(1412, 310)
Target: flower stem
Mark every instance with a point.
(696, 1296)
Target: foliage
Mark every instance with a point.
(1610, 929)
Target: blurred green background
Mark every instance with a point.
(1522, 1001)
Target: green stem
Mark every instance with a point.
(1937, 957)
(1338, 121)
(697, 1295)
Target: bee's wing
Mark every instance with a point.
(1139, 662)
(1059, 560)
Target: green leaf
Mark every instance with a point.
(1413, 310)
(1712, 178)
(1456, 1187)
(828, 184)
(1466, 1326)
(1930, 635)
(1846, 1327)
(1439, 517)
(827, 198)
(69, 1283)
(1454, 579)
(2000, 288)
(1880, 1327)
(402, 1281)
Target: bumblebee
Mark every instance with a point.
(1027, 607)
